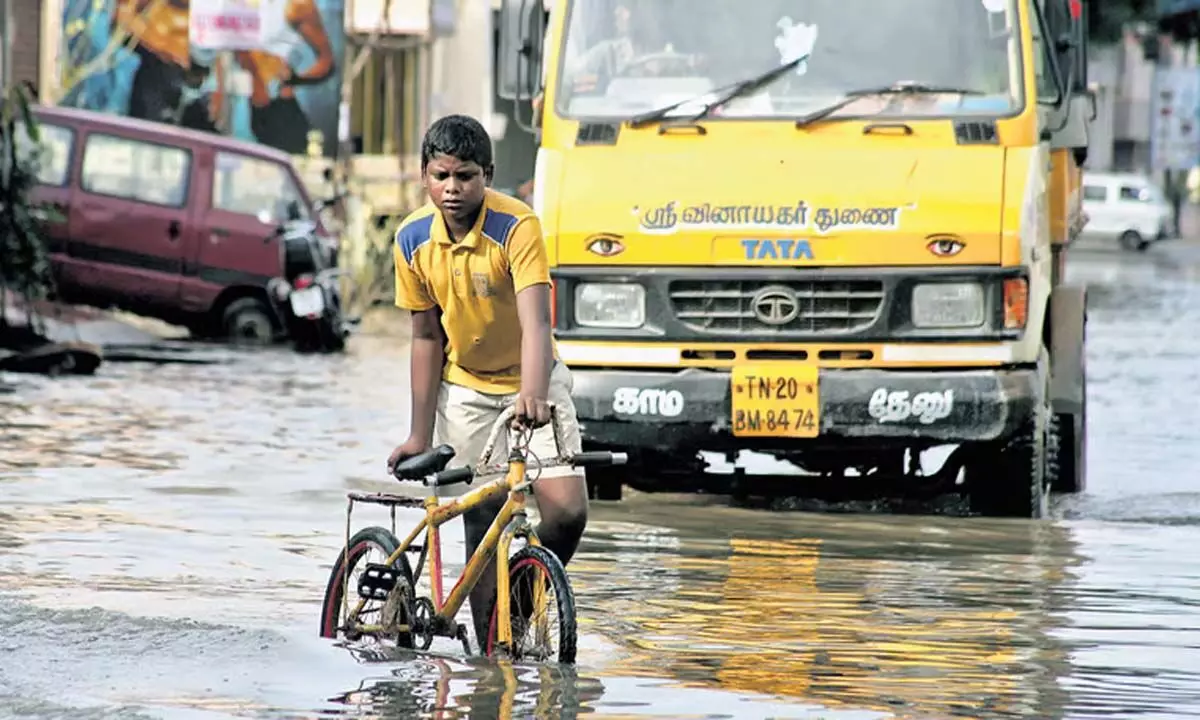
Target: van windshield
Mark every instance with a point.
(625, 57)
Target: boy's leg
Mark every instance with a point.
(464, 419)
(561, 491)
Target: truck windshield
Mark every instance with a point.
(625, 57)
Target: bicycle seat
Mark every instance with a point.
(427, 463)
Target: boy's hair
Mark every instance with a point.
(459, 136)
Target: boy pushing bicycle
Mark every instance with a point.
(471, 267)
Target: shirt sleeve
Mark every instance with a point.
(410, 287)
(527, 259)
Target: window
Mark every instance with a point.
(619, 59)
(1134, 194)
(1043, 67)
(53, 156)
(255, 187)
(1095, 192)
(135, 170)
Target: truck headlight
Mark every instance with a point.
(610, 305)
(947, 305)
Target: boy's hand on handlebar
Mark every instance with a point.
(531, 412)
(405, 450)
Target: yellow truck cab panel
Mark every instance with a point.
(858, 219)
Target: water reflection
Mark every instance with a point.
(922, 616)
(435, 687)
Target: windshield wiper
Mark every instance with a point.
(732, 91)
(898, 89)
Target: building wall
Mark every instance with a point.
(461, 79)
(1123, 79)
(104, 66)
(25, 18)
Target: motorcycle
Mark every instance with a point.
(308, 298)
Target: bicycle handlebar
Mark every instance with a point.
(595, 458)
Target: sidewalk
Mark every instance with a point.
(1189, 223)
(75, 323)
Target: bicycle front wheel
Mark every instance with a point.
(542, 608)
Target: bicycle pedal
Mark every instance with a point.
(377, 582)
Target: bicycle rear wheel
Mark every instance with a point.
(383, 543)
(539, 590)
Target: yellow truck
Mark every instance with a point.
(828, 231)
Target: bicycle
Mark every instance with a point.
(405, 618)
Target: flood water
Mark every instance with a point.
(166, 534)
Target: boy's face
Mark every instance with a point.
(456, 186)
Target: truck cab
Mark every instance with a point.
(833, 233)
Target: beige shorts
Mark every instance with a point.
(465, 418)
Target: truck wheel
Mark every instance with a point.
(247, 321)
(1066, 446)
(605, 483)
(1008, 478)
(1067, 435)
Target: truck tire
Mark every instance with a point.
(1066, 447)
(605, 483)
(1008, 478)
(1067, 438)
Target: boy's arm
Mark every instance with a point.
(537, 357)
(427, 351)
(531, 280)
(427, 360)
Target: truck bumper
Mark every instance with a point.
(984, 405)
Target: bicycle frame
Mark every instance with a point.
(511, 522)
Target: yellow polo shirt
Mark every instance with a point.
(475, 283)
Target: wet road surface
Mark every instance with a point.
(166, 533)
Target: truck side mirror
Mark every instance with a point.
(519, 66)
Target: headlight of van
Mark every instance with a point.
(947, 305)
(610, 305)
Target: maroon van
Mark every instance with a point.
(167, 222)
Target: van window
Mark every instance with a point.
(1134, 194)
(255, 187)
(54, 154)
(135, 170)
(1098, 193)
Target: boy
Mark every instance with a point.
(472, 268)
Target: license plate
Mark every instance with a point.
(309, 301)
(776, 400)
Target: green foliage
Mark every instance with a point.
(24, 262)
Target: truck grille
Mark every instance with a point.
(791, 307)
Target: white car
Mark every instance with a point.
(1127, 207)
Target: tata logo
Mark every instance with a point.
(777, 249)
(775, 305)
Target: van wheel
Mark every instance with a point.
(1132, 240)
(248, 322)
